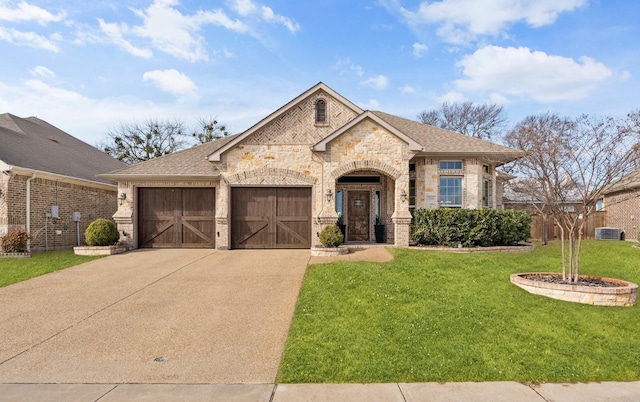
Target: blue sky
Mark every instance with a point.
(87, 66)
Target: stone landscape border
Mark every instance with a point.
(99, 250)
(527, 248)
(625, 295)
(15, 255)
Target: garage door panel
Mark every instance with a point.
(271, 217)
(176, 217)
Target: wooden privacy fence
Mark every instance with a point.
(595, 220)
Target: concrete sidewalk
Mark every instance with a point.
(436, 392)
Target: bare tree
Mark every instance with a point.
(481, 121)
(137, 142)
(569, 162)
(209, 130)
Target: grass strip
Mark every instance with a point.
(13, 270)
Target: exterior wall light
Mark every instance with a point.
(122, 197)
(328, 194)
(403, 195)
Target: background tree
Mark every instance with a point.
(209, 130)
(481, 121)
(570, 162)
(137, 142)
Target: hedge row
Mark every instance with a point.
(469, 227)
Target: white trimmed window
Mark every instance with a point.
(450, 192)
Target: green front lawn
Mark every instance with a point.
(14, 270)
(433, 316)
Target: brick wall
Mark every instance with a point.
(49, 233)
(623, 211)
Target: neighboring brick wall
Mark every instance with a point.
(92, 203)
(623, 211)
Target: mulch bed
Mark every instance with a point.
(596, 283)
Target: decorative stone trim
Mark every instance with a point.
(329, 251)
(463, 250)
(376, 166)
(248, 177)
(99, 250)
(15, 255)
(625, 295)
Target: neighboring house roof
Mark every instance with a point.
(33, 145)
(184, 164)
(628, 182)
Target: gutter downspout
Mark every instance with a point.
(28, 209)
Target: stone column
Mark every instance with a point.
(401, 216)
(124, 216)
(222, 216)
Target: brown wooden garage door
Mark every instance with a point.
(271, 217)
(176, 217)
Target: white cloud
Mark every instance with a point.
(408, 89)
(28, 12)
(460, 21)
(372, 104)
(54, 94)
(41, 71)
(30, 39)
(377, 82)
(345, 65)
(522, 72)
(114, 33)
(170, 31)
(171, 81)
(248, 8)
(419, 49)
(452, 97)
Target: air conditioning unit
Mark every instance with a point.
(607, 234)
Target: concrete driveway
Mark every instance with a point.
(153, 316)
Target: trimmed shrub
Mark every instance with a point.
(102, 232)
(15, 241)
(469, 227)
(331, 236)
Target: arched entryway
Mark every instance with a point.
(364, 202)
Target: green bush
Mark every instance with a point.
(101, 232)
(331, 236)
(469, 227)
(15, 241)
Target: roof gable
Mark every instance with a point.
(321, 146)
(215, 156)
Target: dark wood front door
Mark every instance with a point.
(270, 217)
(358, 216)
(176, 217)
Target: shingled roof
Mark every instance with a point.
(628, 182)
(32, 144)
(437, 141)
(187, 163)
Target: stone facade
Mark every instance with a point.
(48, 232)
(290, 148)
